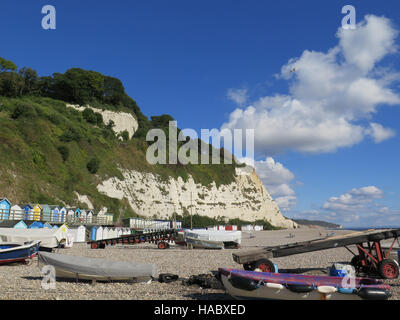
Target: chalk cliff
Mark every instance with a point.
(246, 198)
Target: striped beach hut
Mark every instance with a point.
(5, 206)
(16, 212)
(37, 212)
(46, 212)
(89, 216)
(62, 216)
(28, 211)
(55, 210)
(70, 214)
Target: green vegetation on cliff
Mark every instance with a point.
(49, 151)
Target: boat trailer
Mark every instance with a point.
(370, 258)
(161, 238)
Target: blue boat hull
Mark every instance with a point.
(17, 253)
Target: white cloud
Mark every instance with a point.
(356, 199)
(379, 133)
(329, 94)
(239, 96)
(276, 179)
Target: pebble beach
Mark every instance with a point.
(24, 282)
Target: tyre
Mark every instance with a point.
(94, 245)
(248, 267)
(264, 265)
(388, 269)
(356, 262)
(162, 245)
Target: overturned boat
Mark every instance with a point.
(83, 268)
(17, 252)
(242, 284)
(209, 239)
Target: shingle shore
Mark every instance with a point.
(24, 282)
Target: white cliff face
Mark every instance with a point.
(123, 121)
(246, 198)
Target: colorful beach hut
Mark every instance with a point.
(46, 212)
(28, 212)
(5, 206)
(37, 212)
(55, 210)
(62, 214)
(21, 225)
(36, 225)
(47, 226)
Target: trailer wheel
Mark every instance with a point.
(94, 245)
(264, 265)
(388, 269)
(356, 262)
(248, 266)
(162, 245)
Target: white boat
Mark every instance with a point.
(211, 239)
(83, 268)
(203, 244)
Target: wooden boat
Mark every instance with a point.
(83, 268)
(242, 284)
(203, 244)
(17, 252)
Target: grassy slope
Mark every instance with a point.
(32, 168)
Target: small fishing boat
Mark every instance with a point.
(242, 284)
(83, 268)
(203, 244)
(17, 252)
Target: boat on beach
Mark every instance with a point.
(83, 268)
(209, 239)
(204, 244)
(242, 284)
(11, 252)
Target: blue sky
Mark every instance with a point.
(185, 57)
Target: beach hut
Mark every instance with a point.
(70, 215)
(36, 225)
(93, 234)
(5, 206)
(28, 212)
(55, 210)
(99, 233)
(16, 212)
(62, 215)
(21, 225)
(78, 234)
(55, 227)
(77, 214)
(47, 226)
(46, 212)
(89, 216)
(109, 218)
(83, 216)
(37, 212)
(119, 232)
(106, 232)
(114, 233)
